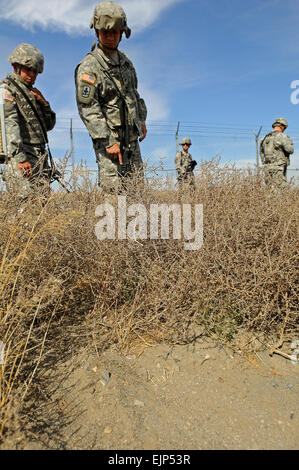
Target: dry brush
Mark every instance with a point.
(62, 288)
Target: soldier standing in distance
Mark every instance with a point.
(28, 169)
(107, 98)
(275, 149)
(184, 165)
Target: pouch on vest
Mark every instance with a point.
(3, 143)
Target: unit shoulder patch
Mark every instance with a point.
(85, 92)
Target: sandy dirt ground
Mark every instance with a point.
(202, 396)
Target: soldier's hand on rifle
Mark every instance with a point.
(114, 152)
(144, 132)
(25, 168)
(39, 96)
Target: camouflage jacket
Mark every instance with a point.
(101, 83)
(275, 149)
(182, 163)
(23, 131)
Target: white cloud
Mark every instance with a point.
(73, 16)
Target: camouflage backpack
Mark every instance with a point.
(268, 147)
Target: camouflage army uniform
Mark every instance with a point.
(182, 165)
(99, 103)
(275, 149)
(25, 139)
(108, 101)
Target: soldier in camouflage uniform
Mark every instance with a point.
(27, 168)
(107, 98)
(184, 165)
(275, 149)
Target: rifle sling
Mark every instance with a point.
(31, 106)
(37, 117)
(119, 93)
(106, 72)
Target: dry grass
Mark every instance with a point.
(62, 288)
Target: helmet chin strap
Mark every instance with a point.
(17, 68)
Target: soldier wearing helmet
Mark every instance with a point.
(275, 149)
(28, 167)
(108, 101)
(184, 165)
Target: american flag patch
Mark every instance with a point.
(88, 78)
(8, 98)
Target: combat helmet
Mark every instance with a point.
(110, 15)
(186, 140)
(280, 122)
(29, 56)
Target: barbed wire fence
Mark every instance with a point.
(72, 138)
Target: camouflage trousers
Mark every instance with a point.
(109, 178)
(275, 176)
(36, 185)
(186, 181)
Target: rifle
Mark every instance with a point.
(192, 165)
(125, 169)
(55, 175)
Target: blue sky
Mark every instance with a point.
(222, 68)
